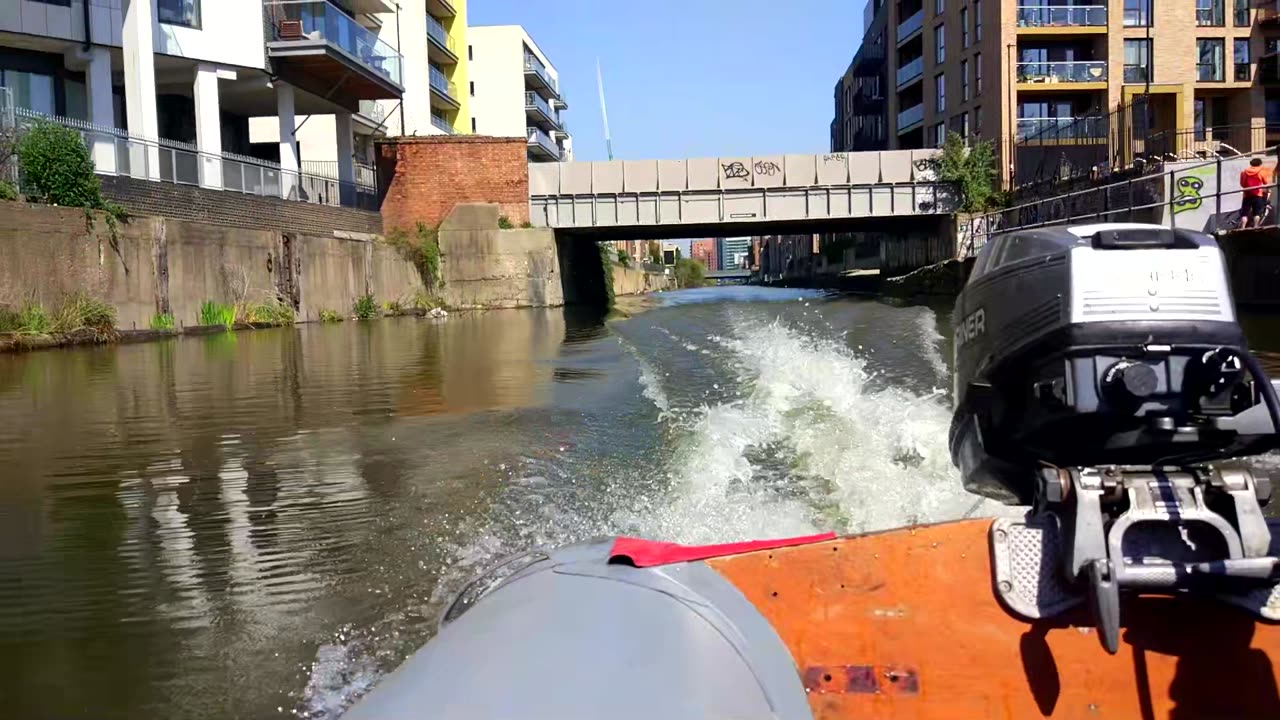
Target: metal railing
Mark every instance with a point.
(1075, 71)
(534, 101)
(1135, 199)
(910, 71)
(442, 124)
(910, 25)
(540, 137)
(911, 116)
(1031, 130)
(441, 83)
(1062, 16)
(117, 153)
(318, 20)
(436, 32)
(534, 65)
(366, 178)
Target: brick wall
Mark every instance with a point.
(425, 177)
(222, 207)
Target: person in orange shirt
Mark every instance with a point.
(1256, 183)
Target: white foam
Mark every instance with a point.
(930, 340)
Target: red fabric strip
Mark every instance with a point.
(647, 553)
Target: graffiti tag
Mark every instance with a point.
(767, 167)
(834, 157)
(923, 165)
(1188, 197)
(734, 170)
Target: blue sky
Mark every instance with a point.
(741, 77)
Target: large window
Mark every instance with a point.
(940, 44)
(939, 134)
(1137, 61)
(977, 20)
(1209, 13)
(1137, 13)
(1209, 60)
(964, 27)
(964, 81)
(977, 73)
(179, 12)
(940, 93)
(939, 7)
(30, 90)
(1240, 57)
(1241, 14)
(977, 120)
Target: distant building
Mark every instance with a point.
(669, 253)
(514, 91)
(732, 252)
(704, 251)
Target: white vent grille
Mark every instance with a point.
(1120, 285)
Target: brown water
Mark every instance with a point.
(262, 524)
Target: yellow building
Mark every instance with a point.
(432, 39)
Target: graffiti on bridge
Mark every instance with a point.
(767, 168)
(735, 170)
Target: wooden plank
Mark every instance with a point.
(905, 625)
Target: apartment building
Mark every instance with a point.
(704, 251)
(514, 91)
(1083, 85)
(186, 77)
(861, 122)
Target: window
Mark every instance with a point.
(470, 55)
(977, 74)
(1137, 13)
(1240, 56)
(940, 93)
(1209, 13)
(1137, 61)
(964, 27)
(977, 121)
(473, 126)
(1241, 14)
(1210, 118)
(1272, 109)
(179, 12)
(977, 20)
(30, 90)
(472, 87)
(940, 44)
(964, 124)
(939, 7)
(964, 81)
(1209, 60)
(58, 3)
(939, 134)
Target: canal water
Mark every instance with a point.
(263, 524)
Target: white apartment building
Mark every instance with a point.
(195, 73)
(515, 91)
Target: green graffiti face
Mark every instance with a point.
(1187, 195)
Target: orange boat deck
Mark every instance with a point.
(905, 625)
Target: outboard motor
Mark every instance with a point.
(1100, 375)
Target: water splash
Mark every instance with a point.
(930, 340)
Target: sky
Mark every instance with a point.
(692, 78)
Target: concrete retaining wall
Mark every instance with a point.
(166, 265)
(483, 266)
(635, 281)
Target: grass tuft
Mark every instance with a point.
(272, 312)
(162, 321)
(215, 313)
(330, 316)
(365, 308)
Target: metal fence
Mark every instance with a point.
(117, 153)
(1194, 195)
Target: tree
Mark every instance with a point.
(690, 273)
(971, 169)
(624, 258)
(655, 252)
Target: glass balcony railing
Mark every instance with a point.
(1032, 16)
(373, 110)
(913, 115)
(441, 83)
(1136, 74)
(442, 124)
(539, 137)
(436, 32)
(534, 65)
(1078, 71)
(1066, 128)
(534, 101)
(306, 20)
(911, 25)
(910, 71)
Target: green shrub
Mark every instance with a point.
(272, 312)
(972, 169)
(423, 301)
(526, 225)
(8, 191)
(33, 319)
(79, 311)
(330, 316)
(423, 250)
(606, 262)
(393, 307)
(214, 313)
(162, 321)
(624, 258)
(57, 168)
(504, 223)
(10, 321)
(365, 308)
(690, 273)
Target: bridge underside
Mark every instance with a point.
(889, 225)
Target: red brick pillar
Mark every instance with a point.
(425, 177)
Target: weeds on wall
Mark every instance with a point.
(272, 312)
(75, 312)
(365, 308)
(423, 301)
(606, 267)
(504, 223)
(162, 321)
(423, 250)
(330, 316)
(216, 313)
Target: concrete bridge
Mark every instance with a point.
(734, 195)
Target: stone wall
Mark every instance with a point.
(233, 209)
(483, 266)
(168, 265)
(425, 177)
(635, 281)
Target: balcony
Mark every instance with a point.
(442, 124)
(1269, 71)
(537, 77)
(444, 92)
(441, 8)
(441, 48)
(1268, 14)
(1135, 74)
(1072, 73)
(911, 117)
(1092, 18)
(1061, 131)
(320, 47)
(910, 72)
(541, 146)
(909, 27)
(539, 111)
(373, 114)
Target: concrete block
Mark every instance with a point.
(700, 209)
(768, 170)
(801, 169)
(704, 174)
(472, 216)
(895, 166)
(833, 168)
(921, 167)
(743, 208)
(575, 178)
(640, 175)
(734, 173)
(786, 205)
(544, 178)
(672, 175)
(864, 167)
(606, 176)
